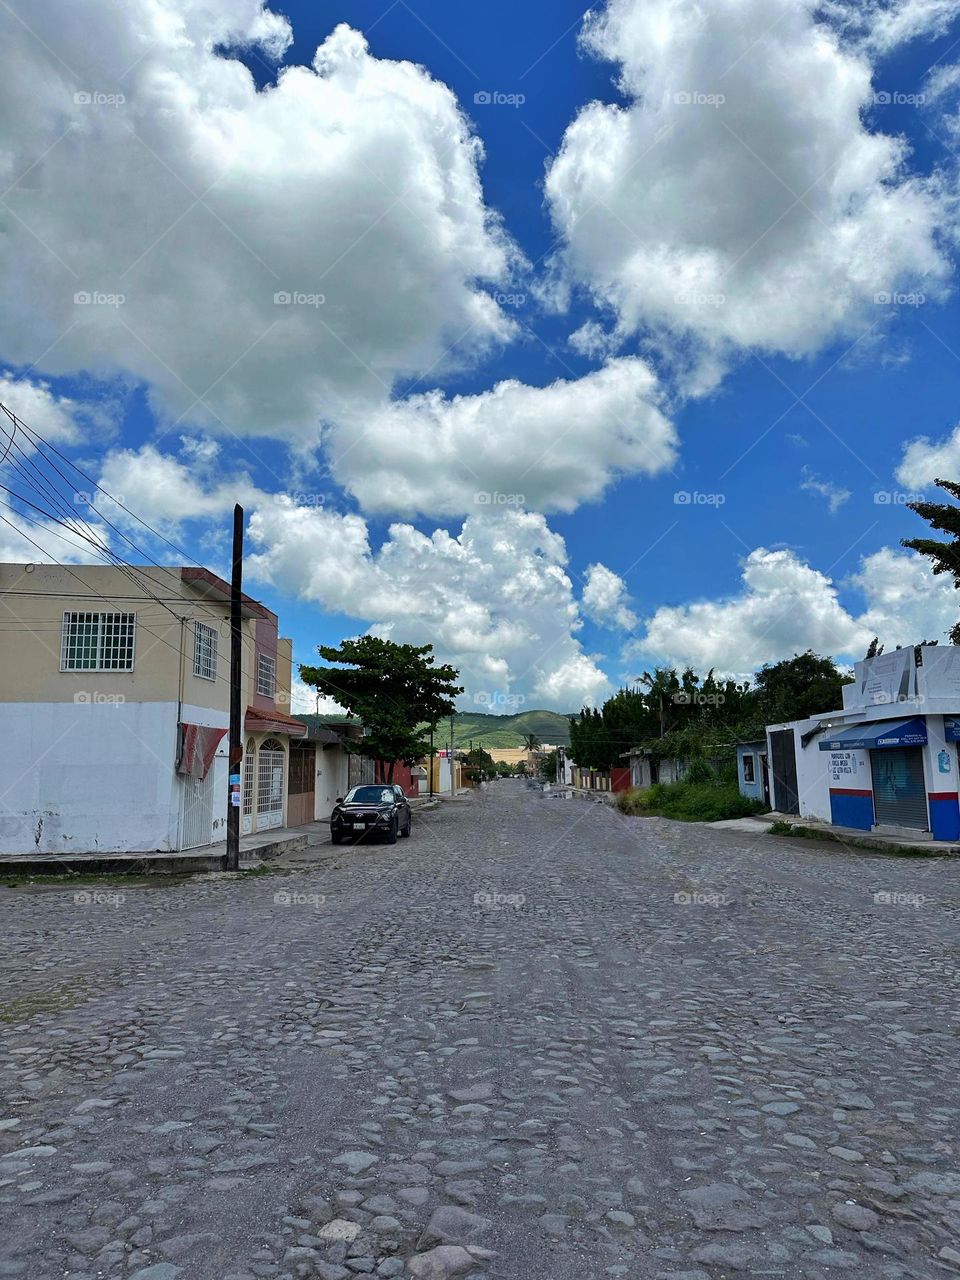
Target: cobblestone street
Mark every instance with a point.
(537, 1040)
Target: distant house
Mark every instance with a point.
(114, 710)
(752, 770)
(328, 768)
(646, 768)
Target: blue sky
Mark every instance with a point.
(740, 478)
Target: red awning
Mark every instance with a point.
(257, 721)
(197, 747)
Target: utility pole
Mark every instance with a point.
(453, 776)
(431, 762)
(232, 860)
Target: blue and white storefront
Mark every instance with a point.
(888, 760)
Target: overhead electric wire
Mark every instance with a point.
(37, 440)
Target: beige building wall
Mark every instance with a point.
(33, 600)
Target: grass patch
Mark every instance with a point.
(249, 873)
(65, 996)
(28, 879)
(689, 801)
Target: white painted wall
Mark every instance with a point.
(97, 777)
(331, 779)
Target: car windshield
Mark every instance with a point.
(369, 795)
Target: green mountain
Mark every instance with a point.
(509, 731)
(496, 731)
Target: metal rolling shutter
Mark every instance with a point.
(899, 793)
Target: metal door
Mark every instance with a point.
(302, 785)
(197, 827)
(899, 792)
(784, 753)
(271, 766)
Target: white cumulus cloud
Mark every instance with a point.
(550, 448)
(786, 607)
(604, 599)
(925, 460)
(159, 204)
(495, 600)
(738, 200)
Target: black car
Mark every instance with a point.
(373, 809)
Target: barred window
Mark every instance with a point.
(204, 651)
(97, 641)
(266, 675)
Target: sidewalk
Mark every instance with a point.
(760, 825)
(280, 845)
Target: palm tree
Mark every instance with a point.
(531, 742)
(661, 687)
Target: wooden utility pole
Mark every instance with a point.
(453, 776)
(234, 771)
(431, 761)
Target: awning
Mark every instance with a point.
(196, 748)
(883, 733)
(273, 721)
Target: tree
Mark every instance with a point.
(548, 766)
(479, 764)
(531, 742)
(798, 687)
(944, 555)
(394, 690)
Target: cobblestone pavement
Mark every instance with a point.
(537, 1040)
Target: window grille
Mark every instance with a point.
(97, 641)
(205, 651)
(266, 675)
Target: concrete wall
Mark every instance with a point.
(97, 777)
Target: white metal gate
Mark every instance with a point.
(271, 768)
(197, 828)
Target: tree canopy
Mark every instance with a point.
(394, 690)
(685, 715)
(944, 554)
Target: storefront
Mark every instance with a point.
(887, 760)
(897, 794)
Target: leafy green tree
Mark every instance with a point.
(479, 764)
(943, 554)
(548, 766)
(798, 687)
(394, 690)
(531, 742)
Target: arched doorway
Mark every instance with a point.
(271, 771)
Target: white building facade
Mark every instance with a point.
(114, 711)
(887, 761)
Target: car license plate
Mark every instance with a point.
(359, 826)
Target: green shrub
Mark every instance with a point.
(781, 828)
(689, 801)
(699, 772)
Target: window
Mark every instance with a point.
(266, 675)
(97, 642)
(204, 651)
(748, 769)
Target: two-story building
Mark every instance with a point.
(114, 710)
(887, 759)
